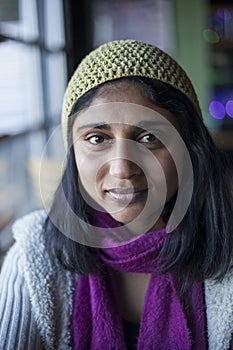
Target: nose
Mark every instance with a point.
(123, 168)
(124, 161)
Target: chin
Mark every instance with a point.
(128, 217)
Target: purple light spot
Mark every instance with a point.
(217, 110)
(229, 108)
(224, 14)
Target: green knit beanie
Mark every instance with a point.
(124, 58)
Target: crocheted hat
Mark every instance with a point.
(124, 58)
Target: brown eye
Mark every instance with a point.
(148, 138)
(96, 139)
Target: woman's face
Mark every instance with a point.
(122, 163)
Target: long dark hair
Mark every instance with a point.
(202, 245)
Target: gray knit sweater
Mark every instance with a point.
(36, 296)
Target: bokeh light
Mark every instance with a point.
(211, 36)
(224, 14)
(229, 108)
(217, 109)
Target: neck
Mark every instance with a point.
(132, 288)
(137, 227)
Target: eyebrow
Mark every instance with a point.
(148, 123)
(142, 124)
(95, 126)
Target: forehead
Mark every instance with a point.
(123, 113)
(123, 103)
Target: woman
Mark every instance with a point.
(136, 250)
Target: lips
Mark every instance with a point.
(126, 195)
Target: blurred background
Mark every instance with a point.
(41, 43)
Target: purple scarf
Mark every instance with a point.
(97, 324)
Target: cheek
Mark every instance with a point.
(88, 169)
(169, 174)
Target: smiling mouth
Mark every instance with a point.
(127, 196)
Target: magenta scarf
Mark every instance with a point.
(97, 324)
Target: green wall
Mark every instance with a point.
(191, 48)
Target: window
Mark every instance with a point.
(33, 79)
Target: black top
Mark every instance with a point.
(131, 332)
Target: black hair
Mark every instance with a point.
(201, 247)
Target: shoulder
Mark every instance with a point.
(219, 310)
(49, 287)
(15, 307)
(28, 235)
(28, 225)
(31, 245)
